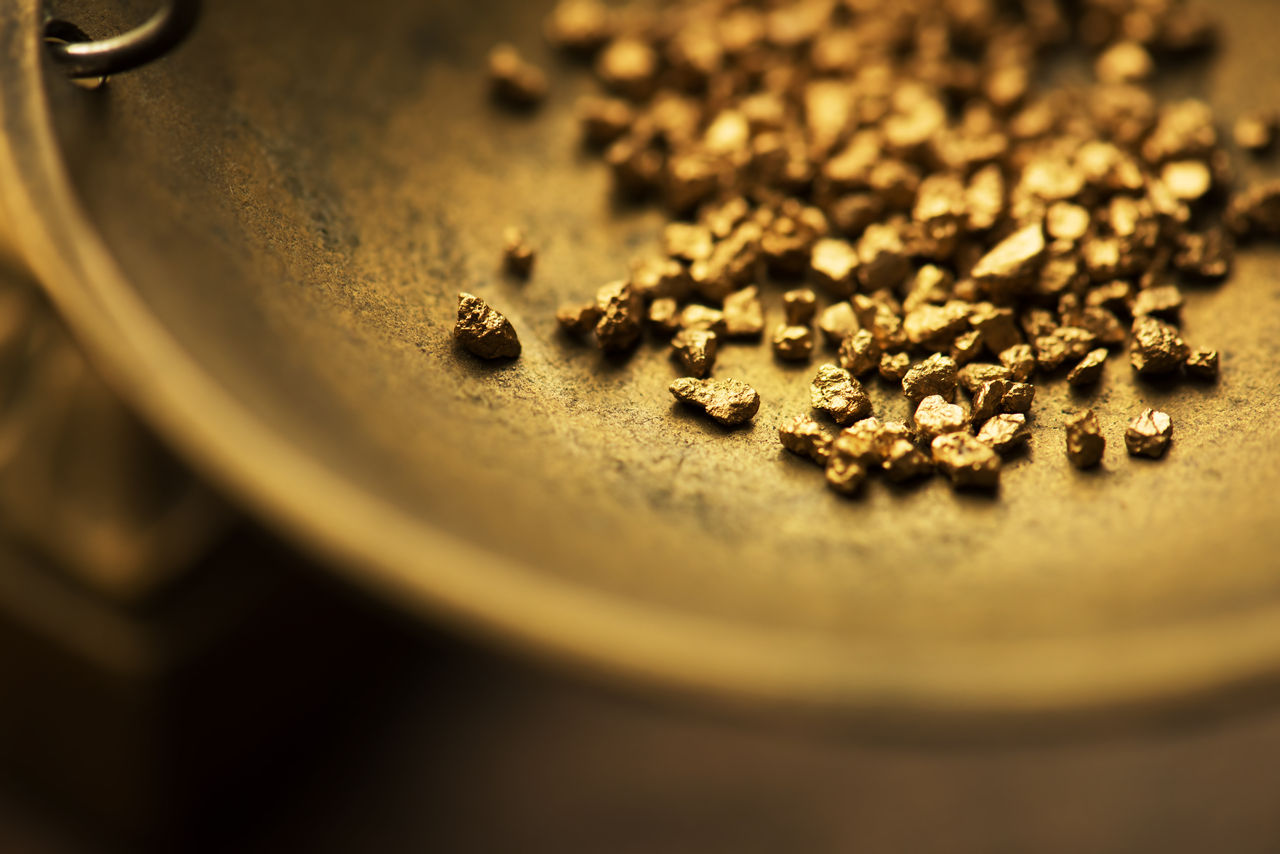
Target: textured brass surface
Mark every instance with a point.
(264, 235)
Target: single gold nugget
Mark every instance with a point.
(687, 241)
(1203, 364)
(859, 353)
(695, 350)
(793, 343)
(1005, 433)
(580, 26)
(603, 120)
(930, 284)
(844, 475)
(729, 402)
(1020, 362)
(803, 436)
(1149, 434)
(903, 461)
(1256, 131)
(621, 317)
(1089, 370)
(696, 316)
(966, 461)
(1067, 221)
(1084, 440)
(833, 264)
(1255, 211)
(935, 375)
(997, 327)
(1051, 352)
(578, 318)
(934, 417)
(799, 306)
(656, 278)
(879, 314)
(483, 331)
(517, 254)
(966, 347)
(837, 322)
(882, 258)
(867, 440)
(743, 314)
(974, 374)
(934, 326)
(1187, 180)
(1018, 397)
(987, 399)
(1161, 301)
(664, 317)
(894, 366)
(1124, 62)
(1011, 264)
(835, 392)
(515, 81)
(1156, 347)
(628, 65)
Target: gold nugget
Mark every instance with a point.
(483, 331)
(966, 461)
(621, 317)
(793, 343)
(935, 375)
(514, 81)
(1203, 364)
(859, 353)
(1005, 433)
(835, 392)
(728, 401)
(517, 254)
(1084, 440)
(806, 437)
(1149, 434)
(844, 475)
(1089, 369)
(744, 314)
(695, 350)
(1156, 347)
(934, 417)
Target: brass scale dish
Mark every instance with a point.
(262, 237)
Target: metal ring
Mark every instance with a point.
(157, 36)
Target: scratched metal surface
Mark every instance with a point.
(290, 205)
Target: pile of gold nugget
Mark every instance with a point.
(941, 218)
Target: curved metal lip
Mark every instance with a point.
(428, 570)
(150, 40)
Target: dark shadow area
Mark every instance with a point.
(416, 741)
